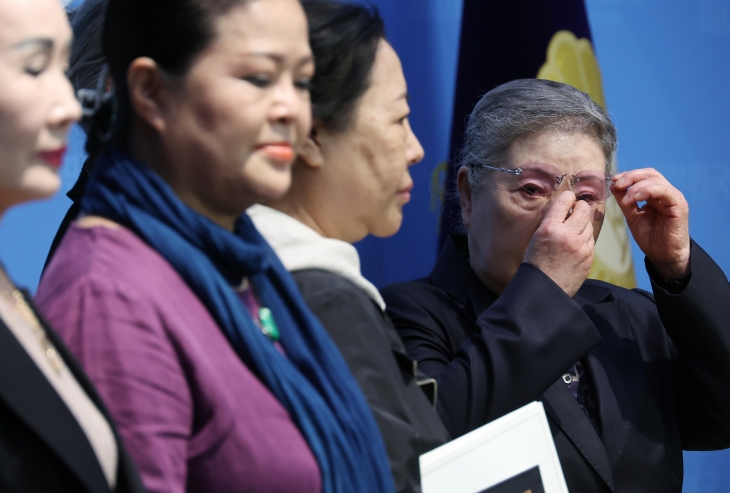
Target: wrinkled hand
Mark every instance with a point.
(661, 226)
(563, 248)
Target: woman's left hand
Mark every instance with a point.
(661, 226)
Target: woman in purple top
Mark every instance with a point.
(218, 375)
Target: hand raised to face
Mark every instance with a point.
(562, 247)
(661, 226)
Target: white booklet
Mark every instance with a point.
(512, 454)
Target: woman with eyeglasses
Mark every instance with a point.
(55, 432)
(628, 378)
(219, 376)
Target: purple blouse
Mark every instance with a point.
(192, 415)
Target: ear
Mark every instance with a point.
(146, 85)
(311, 151)
(465, 197)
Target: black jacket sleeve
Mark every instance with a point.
(496, 361)
(697, 320)
(407, 421)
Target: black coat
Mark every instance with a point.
(386, 375)
(660, 370)
(42, 446)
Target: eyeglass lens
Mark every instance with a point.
(543, 179)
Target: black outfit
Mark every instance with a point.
(659, 367)
(42, 446)
(386, 375)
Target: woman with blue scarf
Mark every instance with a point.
(218, 375)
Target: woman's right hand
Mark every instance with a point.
(562, 246)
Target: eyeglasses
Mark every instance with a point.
(540, 179)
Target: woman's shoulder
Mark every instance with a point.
(109, 258)
(314, 283)
(336, 300)
(346, 311)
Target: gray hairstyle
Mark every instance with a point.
(528, 106)
(87, 56)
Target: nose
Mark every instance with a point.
(289, 103)
(414, 150)
(561, 179)
(66, 109)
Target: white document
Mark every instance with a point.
(509, 455)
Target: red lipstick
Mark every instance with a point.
(279, 151)
(53, 158)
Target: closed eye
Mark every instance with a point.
(37, 65)
(588, 197)
(304, 84)
(534, 190)
(258, 80)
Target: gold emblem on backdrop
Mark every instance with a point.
(572, 61)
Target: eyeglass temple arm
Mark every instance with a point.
(516, 171)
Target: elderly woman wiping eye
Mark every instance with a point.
(507, 316)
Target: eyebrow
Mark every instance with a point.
(43, 44)
(279, 58)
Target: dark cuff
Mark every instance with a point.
(672, 286)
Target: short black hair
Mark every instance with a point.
(344, 37)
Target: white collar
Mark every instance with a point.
(300, 247)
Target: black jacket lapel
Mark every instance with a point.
(128, 479)
(26, 391)
(615, 371)
(565, 411)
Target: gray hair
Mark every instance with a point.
(87, 56)
(528, 106)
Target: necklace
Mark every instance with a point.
(15, 299)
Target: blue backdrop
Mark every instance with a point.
(666, 75)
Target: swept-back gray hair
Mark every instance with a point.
(528, 106)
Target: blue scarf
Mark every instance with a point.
(312, 382)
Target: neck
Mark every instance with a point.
(484, 270)
(293, 208)
(145, 147)
(311, 202)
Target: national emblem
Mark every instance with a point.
(571, 61)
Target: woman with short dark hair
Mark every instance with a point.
(352, 180)
(628, 379)
(219, 376)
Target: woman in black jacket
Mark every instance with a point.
(55, 433)
(628, 379)
(352, 180)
